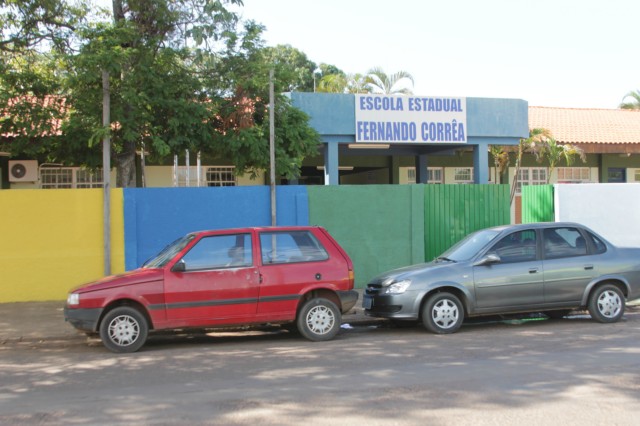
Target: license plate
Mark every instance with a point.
(367, 302)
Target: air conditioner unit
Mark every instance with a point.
(23, 170)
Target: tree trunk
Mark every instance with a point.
(125, 161)
(126, 166)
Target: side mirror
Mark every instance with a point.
(489, 259)
(179, 267)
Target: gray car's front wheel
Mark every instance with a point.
(443, 313)
(124, 329)
(606, 304)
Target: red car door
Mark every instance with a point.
(215, 282)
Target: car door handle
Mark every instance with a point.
(588, 267)
(533, 270)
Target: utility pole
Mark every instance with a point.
(106, 172)
(272, 149)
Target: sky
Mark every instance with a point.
(560, 53)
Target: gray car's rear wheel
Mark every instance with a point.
(124, 329)
(319, 319)
(606, 304)
(443, 313)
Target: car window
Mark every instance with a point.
(516, 247)
(469, 246)
(600, 246)
(168, 252)
(220, 251)
(290, 247)
(563, 242)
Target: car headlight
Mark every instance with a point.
(73, 299)
(399, 287)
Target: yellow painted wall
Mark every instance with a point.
(52, 240)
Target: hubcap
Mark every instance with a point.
(609, 304)
(445, 313)
(123, 330)
(320, 320)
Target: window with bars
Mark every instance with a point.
(574, 174)
(209, 176)
(69, 177)
(434, 175)
(531, 176)
(463, 175)
(220, 176)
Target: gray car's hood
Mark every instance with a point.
(408, 272)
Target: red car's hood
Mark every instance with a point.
(137, 276)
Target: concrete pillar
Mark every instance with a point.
(331, 175)
(480, 164)
(421, 169)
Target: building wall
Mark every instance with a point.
(610, 209)
(154, 217)
(53, 240)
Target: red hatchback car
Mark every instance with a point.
(209, 279)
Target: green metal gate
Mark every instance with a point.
(453, 211)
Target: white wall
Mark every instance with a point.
(610, 209)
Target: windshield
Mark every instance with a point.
(168, 252)
(468, 247)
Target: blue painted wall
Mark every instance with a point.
(154, 217)
(497, 118)
(333, 115)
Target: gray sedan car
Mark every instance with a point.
(543, 267)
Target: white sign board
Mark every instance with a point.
(410, 119)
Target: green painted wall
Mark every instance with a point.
(388, 226)
(453, 211)
(537, 203)
(380, 226)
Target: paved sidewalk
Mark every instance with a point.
(44, 321)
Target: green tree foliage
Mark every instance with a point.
(631, 100)
(536, 137)
(291, 66)
(375, 81)
(544, 147)
(183, 75)
(500, 157)
(554, 153)
(344, 83)
(34, 36)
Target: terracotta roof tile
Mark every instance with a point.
(580, 126)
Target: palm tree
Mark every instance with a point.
(555, 153)
(536, 139)
(341, 83)
(500, 160)
(635, 102)
(389, 84)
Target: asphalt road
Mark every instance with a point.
(570, 371)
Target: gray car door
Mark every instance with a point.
(517, 280)
(568, 266)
